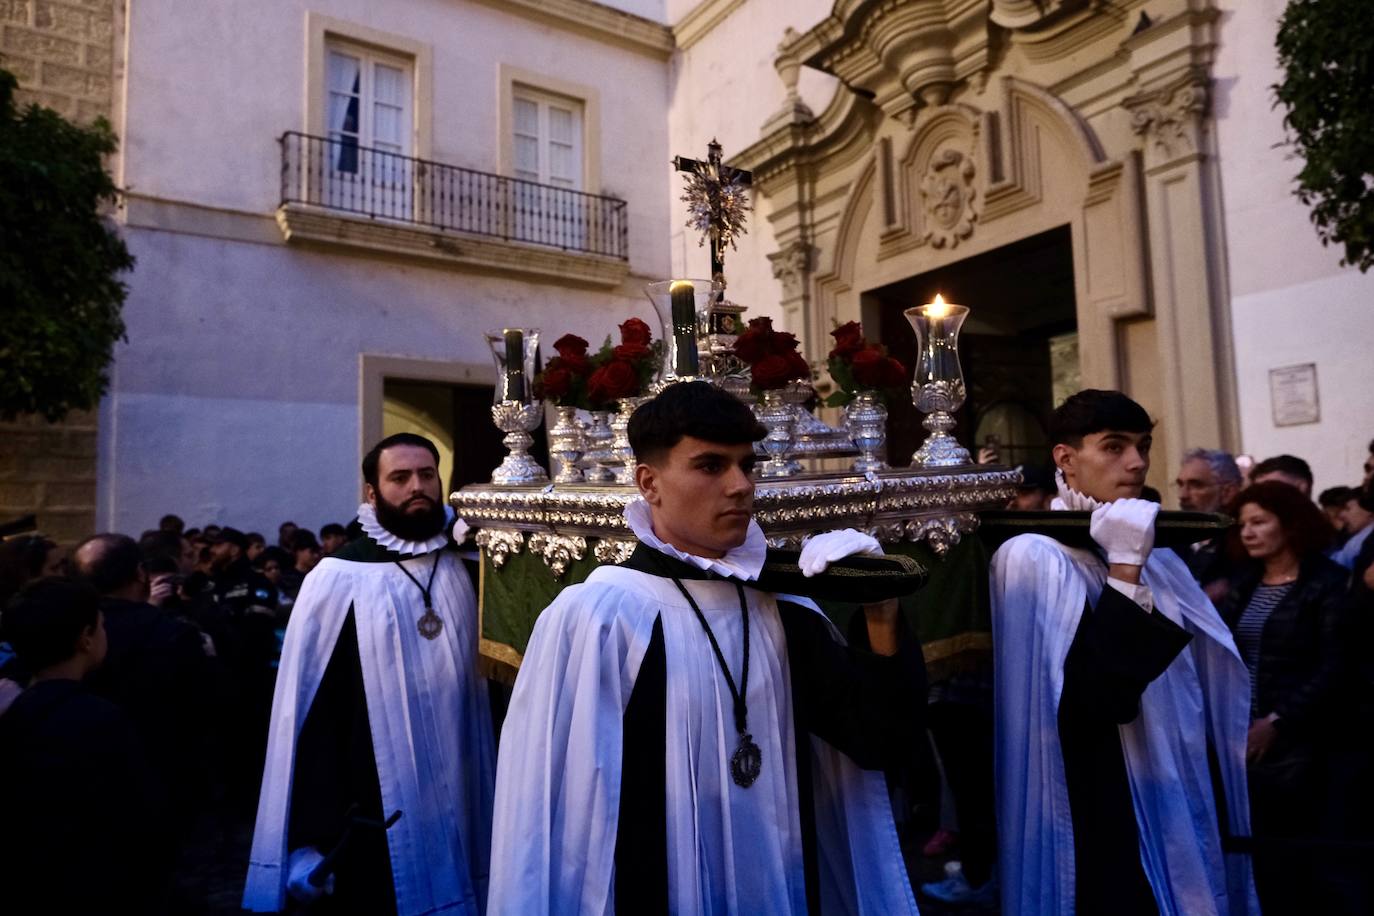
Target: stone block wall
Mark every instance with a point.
(63, 56)
(49, 469)
(62, 53)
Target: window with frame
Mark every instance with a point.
(369, 123)
(548, 138)
(547, 146)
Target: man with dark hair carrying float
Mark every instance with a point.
(1116, 680)
(379, 710)
(686, 736)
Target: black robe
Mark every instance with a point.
(868, 706)
(336, 772)
(1117, 650)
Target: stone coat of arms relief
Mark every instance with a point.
(949, 198)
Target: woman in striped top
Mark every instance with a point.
(1284, 607)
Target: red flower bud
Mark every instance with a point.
(616, 379)
(570, 345)
(553, 383)
(632, 352)
(872, 368)
(777, 370)
(635, 331)
(849, 339)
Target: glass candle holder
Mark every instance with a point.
(687, 305)
(514, 409)
(938, 388)
(516, 352)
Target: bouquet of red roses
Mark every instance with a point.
(771, 356)
(857, 365)
(564, 379)
(625, 370)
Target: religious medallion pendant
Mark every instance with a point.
(747, 762)
(429, 625)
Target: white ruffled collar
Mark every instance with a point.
(367, 518)
(1070, 499)
(744, 562)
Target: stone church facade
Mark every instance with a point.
(1140, 135)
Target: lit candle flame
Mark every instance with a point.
(937, 309)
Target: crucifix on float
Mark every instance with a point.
(717, 195)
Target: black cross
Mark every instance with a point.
(716, 173)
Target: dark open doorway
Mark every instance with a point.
(1019, 346)
(458, 419)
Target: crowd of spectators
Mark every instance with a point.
(136, 682)
(1294, 581)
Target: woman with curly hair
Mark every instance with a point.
(1285, 609)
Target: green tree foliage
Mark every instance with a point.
(59, 261)
(1326, 50)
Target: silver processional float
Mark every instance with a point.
(815, 477)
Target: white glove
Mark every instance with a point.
(1126, 530)
(299, 865)
(823, 549)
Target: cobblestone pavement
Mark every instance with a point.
(211, 878)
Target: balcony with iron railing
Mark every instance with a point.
(336, 192)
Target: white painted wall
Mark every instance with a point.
(236, 398)
(1291, 301)
(725, 87)
(206, 104)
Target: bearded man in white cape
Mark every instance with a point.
(682, 739)
(1122, 704)
(379, 709)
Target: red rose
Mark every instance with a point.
(635, 331)
(866, 366)
(632, 352)
(576, 363)
(873, 368)
(553, 383)
(756, 342)
(777, 370)
(849, 339)
(784, 341)
(617, 379)
(570, 345)
(894, 373)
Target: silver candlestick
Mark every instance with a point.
(566, 444)
(938, 389)
(597, 462)
(865, 419)
(514, 409)
(777, 417)
(620, 445)
(517, 420)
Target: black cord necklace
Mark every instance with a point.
(430, 624)
(747, 761)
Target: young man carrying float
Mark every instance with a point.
(681, 739)
(1115, 680)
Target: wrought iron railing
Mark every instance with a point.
(341, 175)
